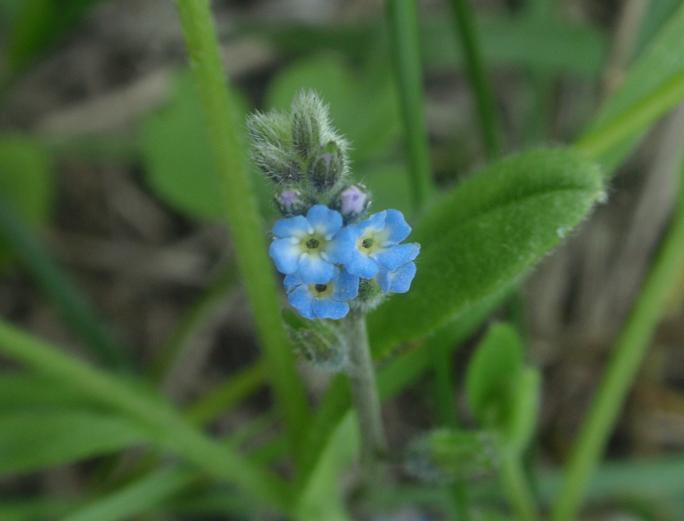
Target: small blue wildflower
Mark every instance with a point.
(304, 245)
(369, 246)
(327, 300)
(397, 281)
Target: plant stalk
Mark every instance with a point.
(403, 24)
(361, 374)
(244, 221)
(516, 487)
(480, 86)
(629, 352)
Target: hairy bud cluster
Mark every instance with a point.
(322, 345)
(303, 154)
(445, 456)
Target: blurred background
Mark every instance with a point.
(108, 206)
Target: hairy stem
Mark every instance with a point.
(242, 212)
(364, 388)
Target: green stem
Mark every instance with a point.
(242, 213)
(465, 24)
(630, 349)
(365, 395)
(440, 356)
(516, 487)
(403, 22)
(73, 306)
(166, 427)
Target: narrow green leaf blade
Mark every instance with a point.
(20, 390)
(485, 234)
(30, 441)
(654, 84)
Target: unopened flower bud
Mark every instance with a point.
(290, 202)
(322, 345)
(306, 131)
(447, 455)
(328, 168)
(353, 201)
(370, 296)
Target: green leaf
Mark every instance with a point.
(484, 235)
(502, 393)
(492, 373)
(136, 497)
(22, 390)
(362, 107)
(551, 45)
(26, 182)
(30, 441)
(654, 84)
(524, 410)
(323, 498)
(38, 24)
(179, 165)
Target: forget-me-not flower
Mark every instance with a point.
(305, 245)
(327, 300)
(373, 245)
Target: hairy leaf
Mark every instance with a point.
(485, 234)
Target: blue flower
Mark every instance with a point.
(397, 281)
(327, 300)
(373, 245)
(303, 245)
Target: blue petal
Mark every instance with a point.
(326, 308)
(302, 301)
(291, 281)
(397, 226)
(285, 254)
(340, 249)
(374, 222)
(361, 265)
(324, 220)
(292, 227)
(397, 281)
(346, 286)
(314, 270)
(395, 256)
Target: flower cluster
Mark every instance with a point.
(325, 262)
(334, 257)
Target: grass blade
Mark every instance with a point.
(166, 427)
(465, 25)
(403, 21)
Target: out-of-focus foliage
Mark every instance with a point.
(26, 181)
(661, 62)
(31, 441)
(36, 25)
